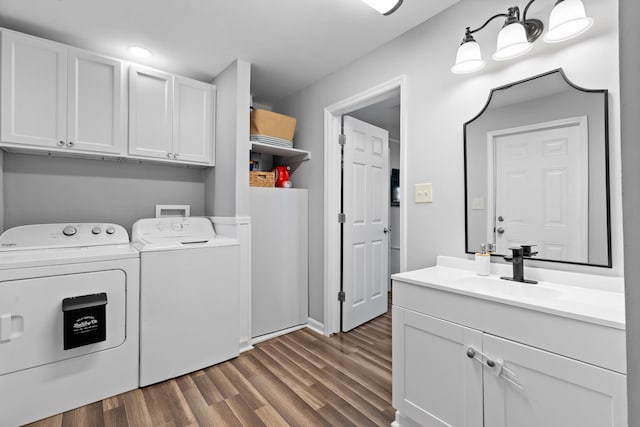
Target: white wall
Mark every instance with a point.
(630, 112)
(43, 189)
(227, 185)
(439, 102)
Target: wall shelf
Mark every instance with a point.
(291, 153)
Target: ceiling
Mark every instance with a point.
(291, 43)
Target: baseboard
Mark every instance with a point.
(268, 336)
(315, 326)
(245, 347)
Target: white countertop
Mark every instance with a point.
(586, 303)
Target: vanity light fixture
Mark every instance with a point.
(385, 7)
(139, 51)
(568, 19)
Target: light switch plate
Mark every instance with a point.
(424, 193)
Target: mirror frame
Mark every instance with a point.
(605, 96)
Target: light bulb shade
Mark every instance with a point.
(568, 19)
(512, 42)
(468, 59)
(385, 7)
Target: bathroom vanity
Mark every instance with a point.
(471, 351)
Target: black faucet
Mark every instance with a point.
(518, 254)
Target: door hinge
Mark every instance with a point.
(342, 218)
(341, 296)
(342, 139)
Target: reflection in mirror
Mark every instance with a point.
(537, 171)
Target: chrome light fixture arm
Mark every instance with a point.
(533, 27)
(499, 15)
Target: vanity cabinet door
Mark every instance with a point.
(435, 383)
(34, 91)
(551, 390)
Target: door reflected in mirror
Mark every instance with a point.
(537, 171)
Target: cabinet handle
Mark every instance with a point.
(168, 155)
(70, 144)
(496, 367)
(472, 353)
(60, 143)
(175, 156)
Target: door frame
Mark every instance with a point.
(332, 184)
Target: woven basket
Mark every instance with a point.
(262, 179)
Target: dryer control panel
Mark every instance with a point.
(65, 235)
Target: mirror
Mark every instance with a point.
(537, 171)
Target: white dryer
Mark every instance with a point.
(69, 298)
(188, 296)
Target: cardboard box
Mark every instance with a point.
(263, 122)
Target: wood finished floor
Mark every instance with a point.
(298, 379)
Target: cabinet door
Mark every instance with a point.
(34, 91)
(95, 103)
(150, 113)
(556, 391)
(193, 119)
(434, 382)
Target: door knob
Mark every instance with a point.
(386, 230)
(500, 230)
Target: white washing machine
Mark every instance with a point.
(188, 296)
(69, 300)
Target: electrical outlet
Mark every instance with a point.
(424, 193)
(477, 203)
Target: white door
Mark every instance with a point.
(551, 390)
(541, 191)
(366, 207)
(193, 119)
(150, 113)
(34, 91)
(95, 103)
(435, 382)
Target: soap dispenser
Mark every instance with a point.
(483, 261)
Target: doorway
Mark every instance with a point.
(376, 96)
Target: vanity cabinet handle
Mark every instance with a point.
(496, 367)
(168, 155)
(60, 143)
(472, 353)
(70, 144)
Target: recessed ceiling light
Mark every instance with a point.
(139, 51)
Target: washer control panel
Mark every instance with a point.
(62, 236)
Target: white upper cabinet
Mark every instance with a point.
(193, 120)
(54, 96)
(34, 91)
(95, 106)
(150, 113)
(170, 117)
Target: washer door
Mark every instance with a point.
(31, 319)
